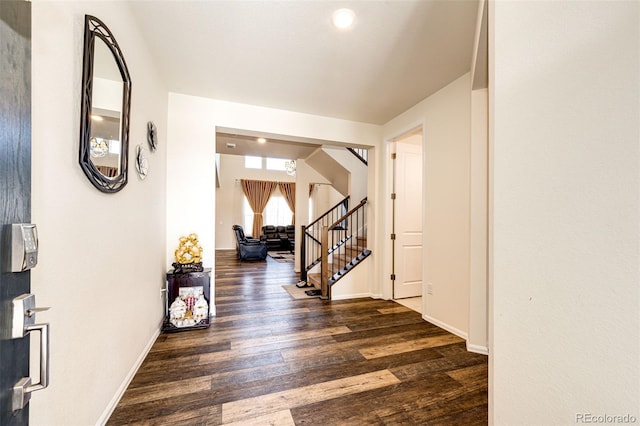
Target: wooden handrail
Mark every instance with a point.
(349, 213)
(329, 211)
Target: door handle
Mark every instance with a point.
(23, 389)
(23, 322)
(44, 356)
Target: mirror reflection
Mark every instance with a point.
(106, 109)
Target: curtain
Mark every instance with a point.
(258, 193)
(288, 189)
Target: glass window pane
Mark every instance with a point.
(251, 162)
(248, 218)
(276, 164)
(277, 211)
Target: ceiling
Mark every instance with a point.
(244, 144)
(287, 54)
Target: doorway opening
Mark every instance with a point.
(406, 212)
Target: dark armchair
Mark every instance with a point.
(249, 248)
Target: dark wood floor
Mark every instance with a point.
(270, 359)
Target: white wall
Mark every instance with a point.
(191, 152)
(564, 103)
(478, 337)
(357, 173)
(445, 119)
(324, 197)
(102, 260)
(357, 283)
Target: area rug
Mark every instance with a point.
(298, 293)
(281, 256)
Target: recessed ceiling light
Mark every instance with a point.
(96, 117)
(261, 140)
(343, 18)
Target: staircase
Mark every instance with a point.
(358, 253)
(336, 243)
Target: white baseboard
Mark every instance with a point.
(351, 296)
(102, 420)
(447, 327)
(482, 350)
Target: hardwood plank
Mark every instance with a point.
(303, 335)
(279, 418)
(372, 406)
(429, 342)
(248, 408)
(166, 390)
(200, 416)
(394, 310)
(469, 376)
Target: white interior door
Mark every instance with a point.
(408, 221)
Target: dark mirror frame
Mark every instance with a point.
(93, 27)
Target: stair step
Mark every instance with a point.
(314, 280)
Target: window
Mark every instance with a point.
(276, 164)
(114, 147)
(277, 212)
(251, 162)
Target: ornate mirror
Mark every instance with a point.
(104, 111)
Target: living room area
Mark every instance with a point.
(285, 179)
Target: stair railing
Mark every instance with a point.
(310, 253)
(342, 246)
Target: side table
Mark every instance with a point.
(188, 298)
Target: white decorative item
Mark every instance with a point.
(98, 147)
(200, 309)
(177, 311)
(290, 167)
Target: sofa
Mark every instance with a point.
(278, 237)
(249, 248)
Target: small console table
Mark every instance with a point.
(188, 299)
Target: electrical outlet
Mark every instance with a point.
(429, 288)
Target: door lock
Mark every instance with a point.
(23, 322)
(24, 315)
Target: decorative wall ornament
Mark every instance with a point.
(142, 164)
(152, 136)
(290, 167)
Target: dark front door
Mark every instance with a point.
(15, 189)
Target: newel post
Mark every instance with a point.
(303, 253)
(324, 263)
